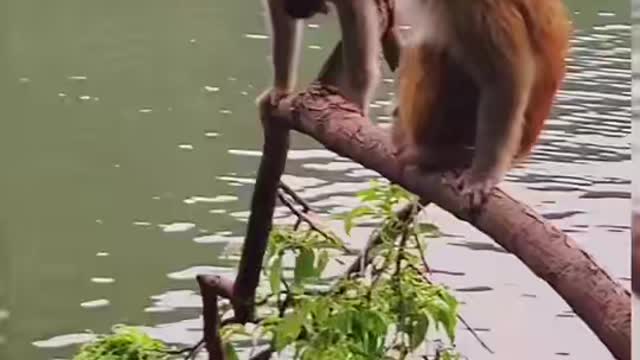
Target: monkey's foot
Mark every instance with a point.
(406, 155)
(475, 188)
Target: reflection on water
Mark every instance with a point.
(132, 143)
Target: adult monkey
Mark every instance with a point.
(477, 81)
(359, 73)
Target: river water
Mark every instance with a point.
(130, 142)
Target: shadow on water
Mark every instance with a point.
(130, 156)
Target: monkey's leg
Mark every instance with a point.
(504, 69)
(360, 50)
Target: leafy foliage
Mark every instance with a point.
(385, 312)
(125, 343)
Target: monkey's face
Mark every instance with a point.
(304, 9)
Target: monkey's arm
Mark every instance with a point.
(286, 35)
(504, 68)
(501, 120)
(391, 48)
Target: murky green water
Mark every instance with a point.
(129, 143)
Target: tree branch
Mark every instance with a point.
(599, 300)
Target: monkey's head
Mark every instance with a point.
(304, 9)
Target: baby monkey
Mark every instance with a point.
(477, 80)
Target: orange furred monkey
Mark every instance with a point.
(477, 81)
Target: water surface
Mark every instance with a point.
(130, 143)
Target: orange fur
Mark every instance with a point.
(437, 99)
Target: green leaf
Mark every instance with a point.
(275, 275)
(230, 352)
(304, 266)
(356, 213)
(429, 230)
(419, 332)
(289, 329)
(323, 260)
(321, 312)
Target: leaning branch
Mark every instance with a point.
(601, 302)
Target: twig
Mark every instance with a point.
(289, 191)
(263, 355)
(282, 307)
(376, 238)
(191, 350)
(422, 256)
(474, 334)
(309, 221)
(305, 205)
(196, 349)
(462, 320)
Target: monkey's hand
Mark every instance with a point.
(273, 96)
(476, 187)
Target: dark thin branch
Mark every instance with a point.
(464, 322)
(264, 354)
(312, 223)
(421, 251)
(287, 298)
(306, 207)
(376, 238)
(196, 349)
(275, 149)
